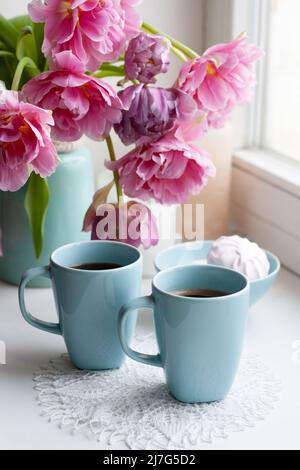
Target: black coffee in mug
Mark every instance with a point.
(97, 266)
(200, 293)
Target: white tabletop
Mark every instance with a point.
(274, 329)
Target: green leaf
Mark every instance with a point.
(36, 205)
(8, 65)
(20, 21)
(8, 33)
(25, 63)
(38, 31)
(7, 54)
(26, 46)
(4, 74)
(3, 46)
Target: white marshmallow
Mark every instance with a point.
(241, 255)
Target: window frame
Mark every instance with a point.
(260, 169)
(260, 34)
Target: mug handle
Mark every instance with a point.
(53, 328)
(143, 302)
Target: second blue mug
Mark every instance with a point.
(200, 340)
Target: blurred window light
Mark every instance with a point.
(282, 105)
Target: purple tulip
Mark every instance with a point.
(147, 56)
(149, 113)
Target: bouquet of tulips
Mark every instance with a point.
(54, 63)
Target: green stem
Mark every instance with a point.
(110, 70)
(178, 45)
(104, 74)
(113, 158)
(113, 68)
(179, 54)
(26, 62)
(174, 50)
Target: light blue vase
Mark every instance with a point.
(71, 190)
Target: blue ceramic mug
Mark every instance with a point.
(200, 340)
(88, 302)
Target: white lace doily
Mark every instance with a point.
(132, 405)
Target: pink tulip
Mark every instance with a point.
(132, 223)
(81, 104)
(169, 170)
(222, 78)
(96, 31)
(25, 142)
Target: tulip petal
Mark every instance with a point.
(46, 161)
(13, 179)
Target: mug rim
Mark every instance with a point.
(98, 242)
(200, 267)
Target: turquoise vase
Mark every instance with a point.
(71, 190)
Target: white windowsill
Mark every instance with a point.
(284, 173)
(266, 203)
